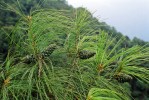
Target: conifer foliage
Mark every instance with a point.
(56, 55)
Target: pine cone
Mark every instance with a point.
(123, 78)
(84, 54)
(49, 50)
(28, 59)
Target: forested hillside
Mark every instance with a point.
(52, 51)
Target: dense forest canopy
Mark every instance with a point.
(50, 50)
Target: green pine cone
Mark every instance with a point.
(123, 78)
(49, 50)
(84, 54)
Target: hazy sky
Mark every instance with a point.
(131, 17)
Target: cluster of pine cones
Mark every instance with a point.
(84, 54)
(46, 53)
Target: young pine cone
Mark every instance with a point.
(49, 50)
(84, 54)
(123, 78)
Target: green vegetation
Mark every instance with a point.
(57, 52)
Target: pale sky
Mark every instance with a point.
(130, 17)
